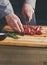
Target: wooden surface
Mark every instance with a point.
(27, 40)
(13, 55)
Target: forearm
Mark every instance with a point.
(31, 2)
(5, 8)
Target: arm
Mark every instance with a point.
(31, 2)
(5, 8)
(12, 19)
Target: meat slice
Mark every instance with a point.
(28, 30)
(39, 30)
(32, 30)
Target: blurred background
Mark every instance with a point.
(41, 12)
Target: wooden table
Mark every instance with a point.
(26, 40)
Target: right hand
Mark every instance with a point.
(14, 21)
(27, 12)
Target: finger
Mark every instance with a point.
(17, 26)
(29, 18)
(10, 22)
(21, 26)
(32, 11)
(14, 28)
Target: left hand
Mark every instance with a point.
(27, 11)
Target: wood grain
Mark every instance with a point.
(26, 40)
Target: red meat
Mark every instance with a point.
(32, 30)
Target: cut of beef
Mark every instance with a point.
(32, 30)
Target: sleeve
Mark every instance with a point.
(5, 8)
(31, 2)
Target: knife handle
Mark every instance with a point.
(2, 37)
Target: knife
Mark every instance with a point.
(3, 34)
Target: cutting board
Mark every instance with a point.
(26, 40)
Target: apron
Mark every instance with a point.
(17, 4)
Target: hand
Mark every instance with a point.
(27, 12)
(14, 22)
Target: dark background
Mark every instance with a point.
(41, 12)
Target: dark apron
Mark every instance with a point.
(17, 4)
